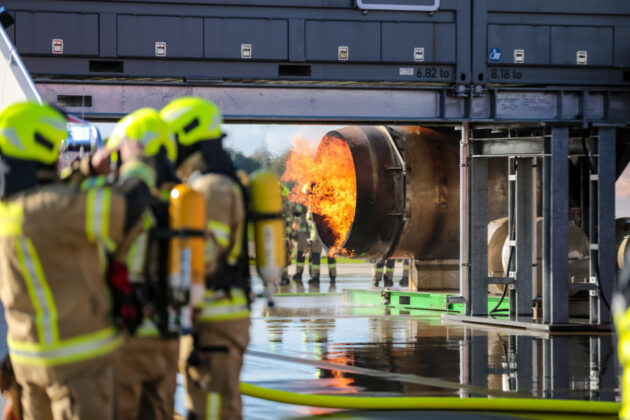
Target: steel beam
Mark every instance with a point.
(291, 101)
(546, 246)
(511, 269)
(606, 170)
(524, 237)
(478, 202)
(559, 225)
(464, 215)
(593, 229)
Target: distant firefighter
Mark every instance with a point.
(315, 258)
(385, 270)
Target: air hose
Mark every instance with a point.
(521, 405)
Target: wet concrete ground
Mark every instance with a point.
(321, 344)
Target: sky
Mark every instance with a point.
(248, 138)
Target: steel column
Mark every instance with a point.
(464, 208)
(478, 202)
(559, 225)
(524, 237)
(511, 269)
(593, 229)
(546, 262)
(606, 169)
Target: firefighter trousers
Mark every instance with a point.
(146, 371)
(85, 394)
(212, 386)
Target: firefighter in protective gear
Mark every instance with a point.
(385, 270)
(214, 352)
(315, 258)
(146, 366)
(404, 280)
(299, 217)
(289, 234)
(53, 239)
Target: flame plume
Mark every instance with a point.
(325, 183)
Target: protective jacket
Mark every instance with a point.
(54, 238)
(222, 324)
(225, 215)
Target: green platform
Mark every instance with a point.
(414, 300)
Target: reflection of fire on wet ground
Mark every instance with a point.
(325, 182)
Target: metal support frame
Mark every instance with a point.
(464, 215)
(554, 147)
(558, 183)
(546, 236)
(524, 238)
(478, 234)
(606, 171)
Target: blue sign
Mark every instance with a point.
(494, 55)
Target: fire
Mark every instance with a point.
(325, 183)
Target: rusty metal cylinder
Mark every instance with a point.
(407, 198)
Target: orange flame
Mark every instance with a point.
(325, 183)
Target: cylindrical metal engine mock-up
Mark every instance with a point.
(410, 209)
(499, 254)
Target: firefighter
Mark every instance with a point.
(289, 234)
(146, 366)
(53, 239)
(315, 258)
(299, 216)
(385, 270)
(404, 280)
(220, 320)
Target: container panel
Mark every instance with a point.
(144, 36)
(35, 32)
(568, 41)
(508, 40)
(445, 43)
(325, 41)
(228, 39)
(622, 46)
(401, 40)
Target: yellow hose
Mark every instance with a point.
(522, 405)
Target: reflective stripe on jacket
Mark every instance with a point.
(225, 215)
(218, 307)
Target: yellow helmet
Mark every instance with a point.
(32, 131)
(146, 127)
(193, 119)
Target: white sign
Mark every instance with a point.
(57, 46)
(160, 49)
(418, 54)
(246, 50)
(343, 53)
